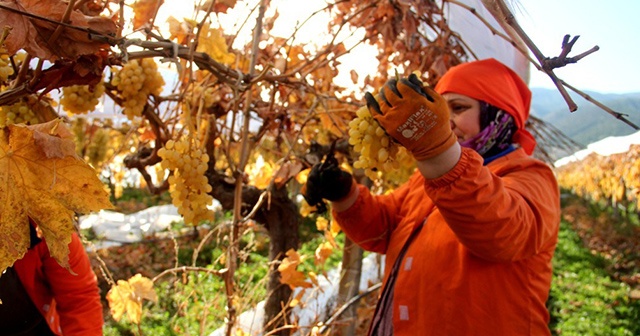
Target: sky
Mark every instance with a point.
(612, 25)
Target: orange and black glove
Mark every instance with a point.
(414, 115)
(326, 181)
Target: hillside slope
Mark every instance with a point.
(589, 123)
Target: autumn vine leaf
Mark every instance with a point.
(144, 11)
(33, 34)
(126, 297)
(289, 275)
(42, 178)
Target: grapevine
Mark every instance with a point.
(377, 152)
(135, 81)
(614, 179)
(81, 99)
(188, 186)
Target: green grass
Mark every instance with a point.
(195, 303)
(584, 300)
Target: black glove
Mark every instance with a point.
(326, 181)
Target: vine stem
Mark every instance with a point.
(232, 260)
(183, 269)
(510, 19)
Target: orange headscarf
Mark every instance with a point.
(494, 83)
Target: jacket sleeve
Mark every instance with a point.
(499, 218)
(77, 296)
(371, 219)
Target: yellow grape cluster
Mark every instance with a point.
(199, 97)
(208, 96)
(135, 81)
(18, 113)
(98, 148)
(188, 186)
(81, 99)
(6, 69)
(378, 153)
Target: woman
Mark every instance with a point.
(470, 237)
(40, 297)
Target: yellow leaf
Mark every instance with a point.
(217, 6)
(314, 278)
(41, 177)
(333, 122)
(261, 176)
(121, 301)
(323, 252)
(296, 300)
(143, 288)
(126, 297)
(213, 43)
(306, 209)
(144, 11)
(335, 228)
(302, 176)
(322, 223)
(181, 32)
(288, 273)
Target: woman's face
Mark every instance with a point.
(465, 115)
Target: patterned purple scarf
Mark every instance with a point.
(497, 130)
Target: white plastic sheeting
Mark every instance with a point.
(605, 147)
(116, 228)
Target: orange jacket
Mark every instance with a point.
(481, 264)
(70, 303)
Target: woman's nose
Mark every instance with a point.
(453, 125)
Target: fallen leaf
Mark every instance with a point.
(50, 190)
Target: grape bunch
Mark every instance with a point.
(135, 81)
(18, 113)
(81, 99)
(188, 186)
(378, 153)
(6, 69)
(198, 98)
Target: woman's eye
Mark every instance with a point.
(457, 109)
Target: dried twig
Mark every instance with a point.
(183, 269)
(617, 115)
(348, 304)
(510, 19)
(562, 59)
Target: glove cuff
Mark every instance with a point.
(435, 150)
(352, 190)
